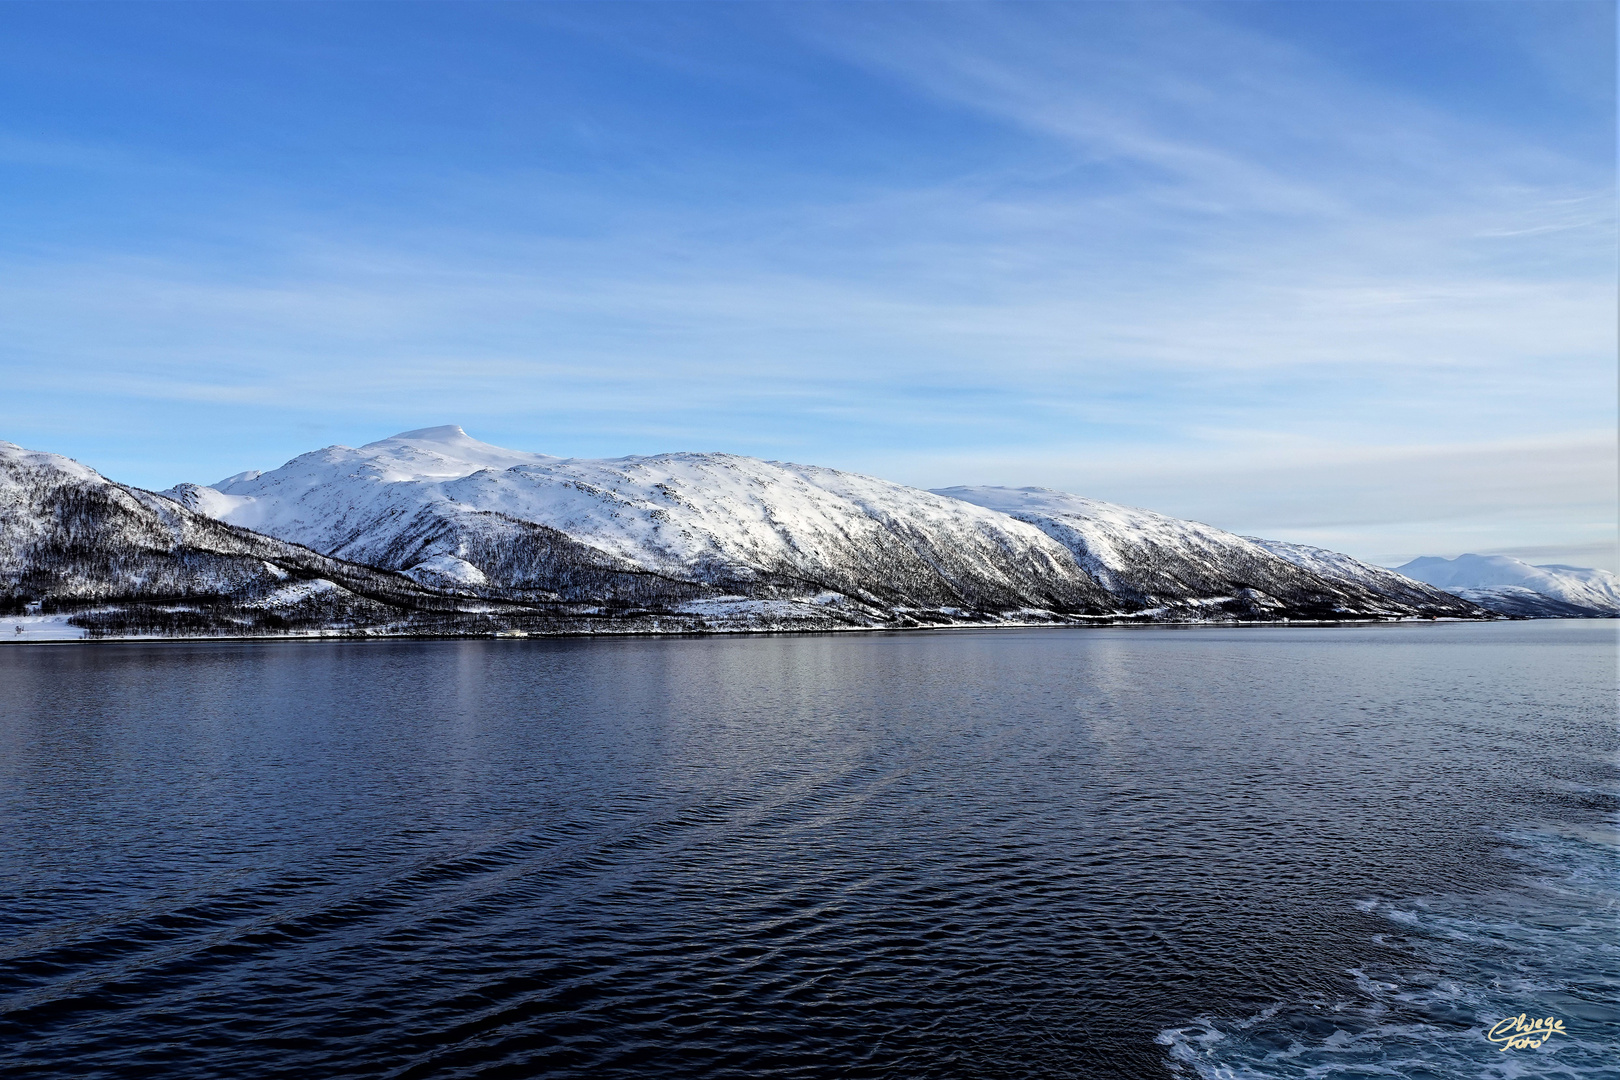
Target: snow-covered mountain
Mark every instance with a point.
(106, 559)
(437, 504)
(113, 557)
(433, 532)
(457, 513)
(1158, 561)
(81, 555)
(1514, 587)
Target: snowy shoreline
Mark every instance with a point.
(73, 635)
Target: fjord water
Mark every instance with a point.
(1326, 852)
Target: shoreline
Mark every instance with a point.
(349, 636)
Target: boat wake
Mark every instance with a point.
(1549, 946)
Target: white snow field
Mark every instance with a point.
(23, 628)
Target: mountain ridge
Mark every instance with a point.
(775, 528)
(433, 531)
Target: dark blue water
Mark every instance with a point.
(1326, 852)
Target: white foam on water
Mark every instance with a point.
(1548, 948)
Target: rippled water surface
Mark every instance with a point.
(1326, 852)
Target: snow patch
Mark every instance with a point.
(446, 569)
(234, 509)
(296, 593)
(24, 628)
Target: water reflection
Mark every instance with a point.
(947, 854)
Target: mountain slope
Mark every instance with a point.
(442, 507)
(118, 560)
(72, 540)
(1514, 587)
(1348, 572)
(436, 497)
(1158, 561)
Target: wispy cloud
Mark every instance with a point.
(1137, 250)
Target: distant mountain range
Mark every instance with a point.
(434, 532)
(1513, 587)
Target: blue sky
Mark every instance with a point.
(1336, 273)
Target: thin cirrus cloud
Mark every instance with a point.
(1183, 257)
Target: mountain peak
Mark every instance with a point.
(445, 433)
(433, 453)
